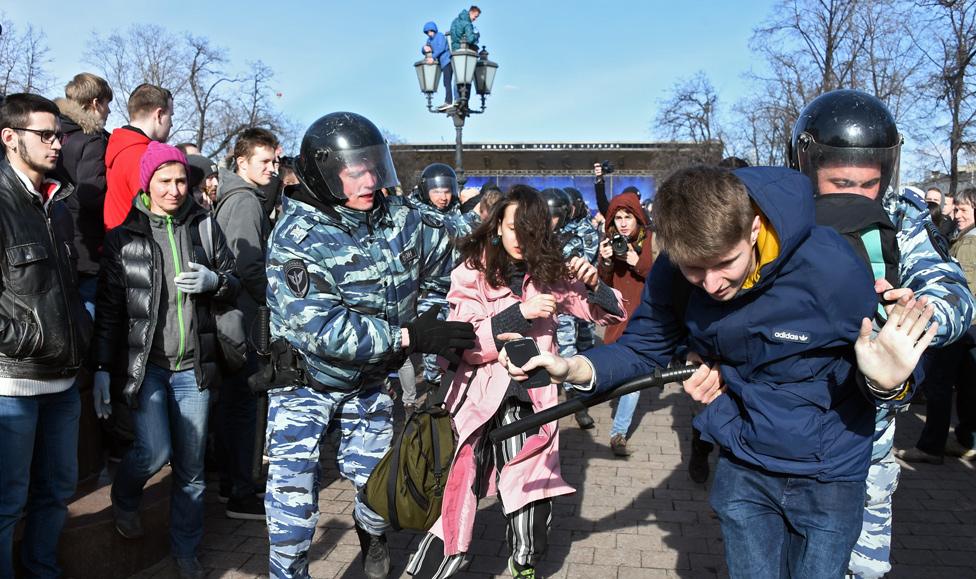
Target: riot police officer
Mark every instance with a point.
(345, 266)
(437, 196)
(847, 142)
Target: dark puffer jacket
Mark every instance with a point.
(44, 329)
(129, 292)
(82, 163)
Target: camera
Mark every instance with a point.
(619, 245)
(607, 167)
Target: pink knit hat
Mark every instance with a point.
(157, 154)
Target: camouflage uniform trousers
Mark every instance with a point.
(432, 371)
(297, 422)
(870, 558)
(566, 338)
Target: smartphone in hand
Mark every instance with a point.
(519, 352)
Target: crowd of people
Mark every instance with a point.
(816, 301)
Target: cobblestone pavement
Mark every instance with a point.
(639, 517)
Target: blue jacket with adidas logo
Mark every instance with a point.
(784, 346)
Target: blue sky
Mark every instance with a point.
(568, 70)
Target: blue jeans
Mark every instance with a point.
(170, 426)
(38, 473)
(782, 526)
(235, 418)
(624, 414)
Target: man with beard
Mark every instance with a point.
(44, 333)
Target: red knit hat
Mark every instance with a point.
(157, 154)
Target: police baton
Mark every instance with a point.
(573, 405)
(261, 341)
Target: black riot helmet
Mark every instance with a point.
(846, 128)
(559, 204)
(579, 209)
(437, 176)
(342, 153)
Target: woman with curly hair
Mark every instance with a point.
(512, 280)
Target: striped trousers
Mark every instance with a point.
(527, 529)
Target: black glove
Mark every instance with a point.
(432, 336)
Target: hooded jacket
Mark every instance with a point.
(438, 46)
(462, 30)
(82, 164)
(783, 346)
(44, 328)
(130, 287)
(125, 148)
(241, 215)
(629, 281)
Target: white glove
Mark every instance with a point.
(196, 281)
(103, 398)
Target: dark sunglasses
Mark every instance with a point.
(47, 136)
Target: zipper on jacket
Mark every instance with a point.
(64, 289)
(179, 294)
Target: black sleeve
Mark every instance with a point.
(90, 177)
(509, 320)
(110, 306)
(602, 203)
(224, 263)
(604, 297)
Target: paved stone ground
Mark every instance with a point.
(632, 518)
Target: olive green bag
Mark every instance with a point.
(407, 486)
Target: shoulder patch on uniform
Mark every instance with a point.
(296, 277)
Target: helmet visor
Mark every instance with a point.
(441, 182)
(355, 172)
(850, 169)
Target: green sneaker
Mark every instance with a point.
(524, 573)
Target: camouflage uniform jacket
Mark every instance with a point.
(342, 283)
(571, 241)
(928, 269)
(457, 224)
(589, 237)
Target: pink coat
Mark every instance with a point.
(534, 473)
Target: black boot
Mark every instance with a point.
(376, 555)
(583, 418)
(698, 468)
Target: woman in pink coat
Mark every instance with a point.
(512, 279)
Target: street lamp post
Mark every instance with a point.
(470, 67)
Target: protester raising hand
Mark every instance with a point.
(888, 359)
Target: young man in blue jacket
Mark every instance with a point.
(773, 305)
(436, 48)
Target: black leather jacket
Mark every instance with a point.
(44, 328)
(128, 300)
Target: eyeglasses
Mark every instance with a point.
(47, 136)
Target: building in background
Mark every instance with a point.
(548, 164)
